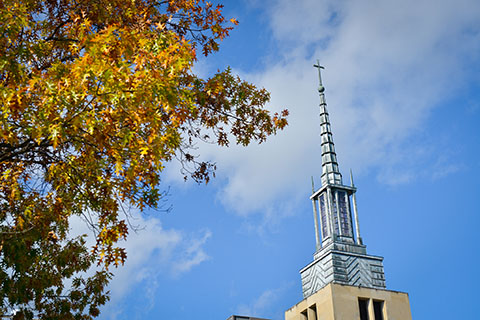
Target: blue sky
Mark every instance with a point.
(402, 87)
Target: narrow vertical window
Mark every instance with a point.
(312, 312)
(363, 308)
(335, 215)
(378, 309)
(323, 216)
(344, 217)
(304, 315)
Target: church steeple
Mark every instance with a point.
(340, 255)
(342, 281)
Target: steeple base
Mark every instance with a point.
(342, 263)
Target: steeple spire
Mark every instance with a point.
(330, 171)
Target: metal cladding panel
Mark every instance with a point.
(324, 118)
(344, 268)
(328, 147)
(326, 138)
(326, 129)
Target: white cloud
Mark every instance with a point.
(265, 300)
(265, 304)
(193, 255)
(152, 252)
(388, 65)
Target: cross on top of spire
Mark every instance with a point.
(321, 89)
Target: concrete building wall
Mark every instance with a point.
(341, 302)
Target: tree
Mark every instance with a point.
(96, 97)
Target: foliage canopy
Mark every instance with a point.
(96, 97)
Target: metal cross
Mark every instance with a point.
(319, 71)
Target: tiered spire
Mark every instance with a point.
(330, 171)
